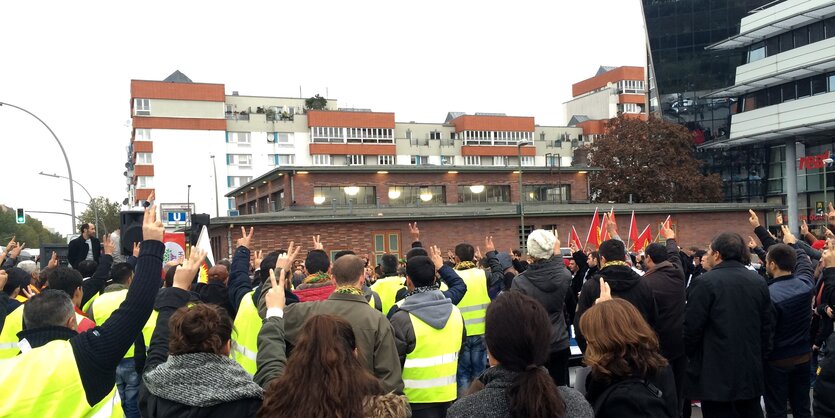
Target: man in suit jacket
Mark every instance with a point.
(85, 247)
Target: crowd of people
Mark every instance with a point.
(738, 326)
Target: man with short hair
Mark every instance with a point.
(214, 289)
(371, 296)
(69, 281)
(85, 247)
(318, 284)
(428, 326)
(390, 282)
(728, 328)
(786, 370)
(374, 333)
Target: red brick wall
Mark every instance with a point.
(692, 228)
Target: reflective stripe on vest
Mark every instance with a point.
(474, 304)
(387, 288)
(105, 305)
(44, 382)
(245, 334)
(8, 336)
(148, 329)
(429, 370)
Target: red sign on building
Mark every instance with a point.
(813, 161)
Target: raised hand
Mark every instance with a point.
(751, 243)
(788, 237)
(667, 233)
(488, 244)
(152, 228)
(108, 245)
(285, 261)
(53, 261)
(804, 228)
(275, 296)
(477, 255)
(185, 273)
(605, 292)
(435, 254)
(136, 246)
(246, 239)
(779, 216)
(10, 246)
(258, 257)
(317, 243)
(414, 232)
(573, 246)
(831, 215)
(753, 219)
(17, 249)
(558, 244)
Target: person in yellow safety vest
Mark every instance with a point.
(428, 332)
(473, 306)
(63, 373)
(390, 284)
(451, 284)
(69, 281)
(13, 279)
(243, 296)
(127, 376)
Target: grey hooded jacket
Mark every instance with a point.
(548, 281)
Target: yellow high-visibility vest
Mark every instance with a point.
(387, 288)
(430, 369)
(44, 382)
(474, 304)
(8, 336)
(245, 334)
(105, 305)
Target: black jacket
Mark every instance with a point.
(625, 284)
(214, 291)
(824, 403)
(582, 261)
(728, 328)
(668, 285)
(548, 282)
(790, 296)
(655, 397)
(77, 250)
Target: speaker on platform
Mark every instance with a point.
(198, 221)
(130, 229)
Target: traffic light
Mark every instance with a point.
(21, 216)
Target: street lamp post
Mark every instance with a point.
(92, 203)
(217, 203)
(66, 160)
(826, 163)
(522, 194)
(95, 212)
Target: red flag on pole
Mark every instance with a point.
(574, 238)
(593, 237)
(604, 231)
(643, 239)
(633, 232)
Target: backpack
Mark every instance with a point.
(648, 398)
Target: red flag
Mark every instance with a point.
(643, 239)
(633, 232)
(574, 238)
(604, 230)
(593, 238)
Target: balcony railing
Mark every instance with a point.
(322, 140)
(237, 116)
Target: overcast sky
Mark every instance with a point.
(71, 64)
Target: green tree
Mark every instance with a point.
(108, 214)
(316, 102)
(32, 232)
(652, 160)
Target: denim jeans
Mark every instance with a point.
(787, 384)
(127, 383)
(472, 360)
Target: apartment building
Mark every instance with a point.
(192, 143)
(612, 91)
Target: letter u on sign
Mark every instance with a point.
(176, 216)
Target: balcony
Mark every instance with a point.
(237, 116)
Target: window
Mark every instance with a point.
(786, 41)
(527, 161)
(829, 27)
(435, 135)
(772, 46)
(819, 84)
(142, 135)
(416, 195)
(804, 88)
(328, 134)
(282, 138)
(477, 193)
(789, 92)
(447, 160)
(419, 160)
(548, 193)
(756, 52)
(321, 159)
(816, 32)
(801, 37)
(141, 107)
(359, 195)
(355, 160)
(231, 203)
(143, 158)
(472, 160)
(144, 182)
(831, 82)
(630, 108)
(279, 160)
(237, 181)
(385, 159)
(238, 137)
(240, 160)
(369, 135)
(501, 161)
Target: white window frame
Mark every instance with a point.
(288, 138)
(142, 107)
(527, 161)
(418, 160)
(355, 159)
(144, 182)
(472, 160)
(240, 137)
(501, 161)
(386, 159)
(240, 160)
(288, 159)
(144, 158)
(142, 134)
(322, 159)
(447, 160)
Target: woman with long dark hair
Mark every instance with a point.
(628, 376)
(518, 337)
(324, 376)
